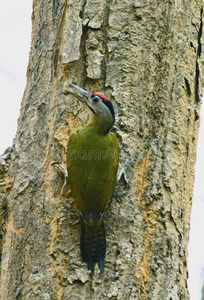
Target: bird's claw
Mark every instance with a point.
(122, 172)
(62, 169)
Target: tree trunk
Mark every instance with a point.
(147, 57)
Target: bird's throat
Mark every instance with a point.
(98, 125)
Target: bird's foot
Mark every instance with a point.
(62, 170)
(122, 172)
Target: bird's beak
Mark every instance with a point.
(85, 99)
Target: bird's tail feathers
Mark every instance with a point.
(93, 244)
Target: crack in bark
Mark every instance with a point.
(199, 50)
(188, 88)
(105, 40)
(59, 41)
(81, 14)
(82, 47)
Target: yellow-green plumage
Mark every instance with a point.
(92, 163)
(92, 166)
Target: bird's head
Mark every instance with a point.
(101, 110)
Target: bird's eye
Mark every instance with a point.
(95, 99)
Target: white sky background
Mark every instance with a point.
(15, 33)
(196, 242)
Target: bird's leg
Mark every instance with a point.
(122, 172)
(62, 169)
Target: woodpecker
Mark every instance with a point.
(92, 165)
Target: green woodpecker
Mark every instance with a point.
(92, 164)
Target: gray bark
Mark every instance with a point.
(147, 57)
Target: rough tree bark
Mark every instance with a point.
(146, 56)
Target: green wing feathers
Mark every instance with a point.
(92, 162)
